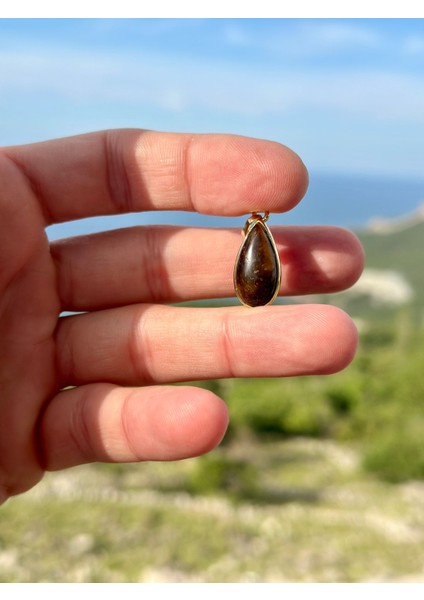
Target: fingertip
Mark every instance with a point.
(280, 175)
(349, 246)
(357, 254)
(233, 175)
(341, 340)
(297, 183)
(192, 422)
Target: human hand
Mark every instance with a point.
(122, 281)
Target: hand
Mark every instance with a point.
(122, 281)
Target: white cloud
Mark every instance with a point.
(194, 84)
(237, 35)
(305, 38)
(414, 45)
(329, 37)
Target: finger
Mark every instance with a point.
(106, 423)
(171, 264)
(120, 171)
(155, 344)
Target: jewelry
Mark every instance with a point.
(257, 271)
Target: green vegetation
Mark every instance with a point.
(377, 404)
(318, 478)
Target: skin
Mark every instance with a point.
(117, 358)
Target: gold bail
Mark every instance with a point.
(255, 217)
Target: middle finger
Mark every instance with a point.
(173, 264)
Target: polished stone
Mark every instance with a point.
(257, 269)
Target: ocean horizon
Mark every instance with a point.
(350, 201)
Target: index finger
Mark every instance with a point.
(132, 170)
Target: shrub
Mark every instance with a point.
(288, 407)
(218, 473)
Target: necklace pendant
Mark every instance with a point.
(257, 271)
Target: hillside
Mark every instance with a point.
(394, 273)
(401, 250)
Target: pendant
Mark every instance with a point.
(257, 272)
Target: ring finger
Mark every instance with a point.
(172, 264)
(145, 344)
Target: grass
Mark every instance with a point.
(314, 517)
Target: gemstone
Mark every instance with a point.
(257, 271)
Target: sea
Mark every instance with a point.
(351, 201)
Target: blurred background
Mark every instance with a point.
(318, 478)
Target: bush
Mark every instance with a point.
(288, 407)
(216, 473)
(396, 456)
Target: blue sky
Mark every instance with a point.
(346, 94)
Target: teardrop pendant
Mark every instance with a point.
(257, 272)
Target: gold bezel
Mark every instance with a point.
(251, 222)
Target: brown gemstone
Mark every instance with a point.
(257, 269)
